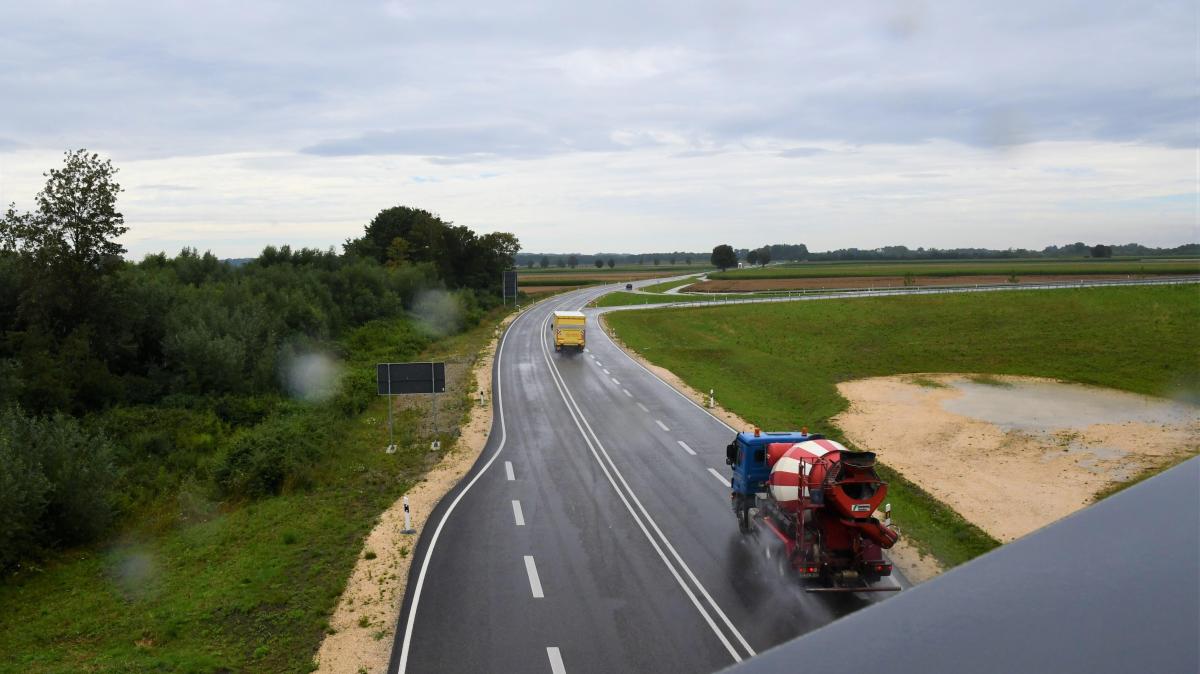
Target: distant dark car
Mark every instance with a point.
(629, 286)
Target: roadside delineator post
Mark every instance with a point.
(407, 520)
(710, 397)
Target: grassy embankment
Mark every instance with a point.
(777, 365)
(194, 585)
(964, 268)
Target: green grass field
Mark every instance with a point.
(622, 298)
(777, 364)
(964, 268)
(664, 287)
(619, 269)
(230, 587)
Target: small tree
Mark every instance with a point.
(764, 255)
(544, 262)
(572, 261)
(752, 257)
(723, 257)
(529, 265)
(611, 263)
(673, 259)
(561, 263)
(599, 263)
(687, 260)
(1100, 250)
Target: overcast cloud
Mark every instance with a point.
(617, 126)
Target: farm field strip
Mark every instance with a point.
(961, 268)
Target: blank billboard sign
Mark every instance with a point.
(400, 378)
(510, 284)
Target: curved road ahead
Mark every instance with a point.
(594, 533)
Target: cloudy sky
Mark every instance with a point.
(617, 126)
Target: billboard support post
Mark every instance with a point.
(403, 378)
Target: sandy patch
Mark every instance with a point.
(751, 285)
(1018, 453)
(364, 621)
(917, 568)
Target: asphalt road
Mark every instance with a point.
(594, 534)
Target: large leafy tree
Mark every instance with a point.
(723, 257)
(76, 222)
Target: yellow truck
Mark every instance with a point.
(568, 330)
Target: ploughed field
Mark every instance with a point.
(779, 365)
(1004, 268)
(741, 285)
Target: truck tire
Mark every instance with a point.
(743, 516)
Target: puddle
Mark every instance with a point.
(1041, 406)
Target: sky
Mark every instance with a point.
(617, 126)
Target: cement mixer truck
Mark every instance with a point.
(818, 499)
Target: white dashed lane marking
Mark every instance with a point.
(687, 449)
(535, 583)
(720, 478)
(661, 425)
(517, 514)
(508, 471)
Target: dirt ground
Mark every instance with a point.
(611, 277)
(748, 285)
(542, 290)
(1013, 454)
(363, 623)
(917, 568)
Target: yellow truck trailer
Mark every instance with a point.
(569, 330)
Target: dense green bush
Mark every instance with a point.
(262, 460)
(55, 483)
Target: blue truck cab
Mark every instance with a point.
(748, 456)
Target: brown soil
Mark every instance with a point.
(749, 285)
(1007, 479)
(611, 277)
(376, 586)
(915, 566)
(542, 290)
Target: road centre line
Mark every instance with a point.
(721, 478)
(687, 449)
(508, 471)
(517, 514)
(535, 583)
(643, 520)
(627, 392)
(644, 408)
(605, 370)
(556, 662)
(614, 379)
(662, 425)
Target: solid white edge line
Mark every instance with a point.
(556, 661)
(508, 471)
(662, 425)
(572, 408)
(687, 449)
(721, 478)
(499, 397)
(518, 516)
(535, 583)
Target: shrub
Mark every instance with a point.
(55, 484)
(263, 460)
